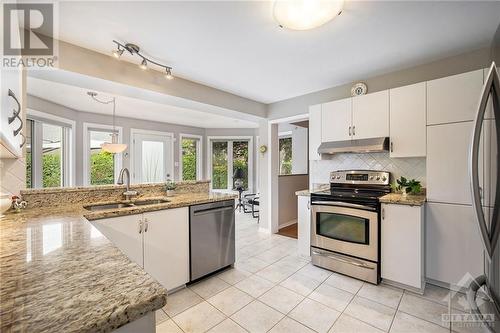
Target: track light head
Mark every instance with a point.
(118, 53)
(168, 74)
(144, 64)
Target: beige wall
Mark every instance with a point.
(287, 200)
(430, 71)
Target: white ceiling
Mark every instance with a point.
(237, 47)
(150, 106)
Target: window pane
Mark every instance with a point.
(219, 165)
(240, 160)
(285, 147)
(102, 164)
(152, 161)
(29, 158)
(52, 155)
(189, 160)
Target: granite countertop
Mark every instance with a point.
(58, 273)
(398, 198)
(303, 193)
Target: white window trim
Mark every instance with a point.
(69, 154)
(86, 150)
(134, 131)
(230, 164)
(199, 154)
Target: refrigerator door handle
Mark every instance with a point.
(474, 286)
(492, 85)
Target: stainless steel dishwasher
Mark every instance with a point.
(211, 237)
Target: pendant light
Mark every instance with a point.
(112, 147)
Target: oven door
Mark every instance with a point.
(345, 228)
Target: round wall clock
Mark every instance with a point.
(263, 149)
(359, 89)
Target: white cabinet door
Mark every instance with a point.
(407, 121)
(125, 233)
(314, 131)
(453, 243)
(454, 98)
(447, 163)
(370, 115)
(402, 245)
(336, 120)
(304, 225)
(166, 246)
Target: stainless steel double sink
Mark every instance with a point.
(117, 205)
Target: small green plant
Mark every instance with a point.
(170, 185)
(407, 186)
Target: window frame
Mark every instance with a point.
(87, 127)
(230, 140)
(68, 146)
(199, 154)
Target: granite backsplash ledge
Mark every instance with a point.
(92, 194)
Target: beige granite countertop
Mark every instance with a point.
(398, 198)
(303, 193)
(58, 273)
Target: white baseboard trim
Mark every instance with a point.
(287, 224)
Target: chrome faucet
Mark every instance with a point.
(128, 193)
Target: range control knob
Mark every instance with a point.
(338, 177)
(378, 177)
(384, 178)
(371, 177)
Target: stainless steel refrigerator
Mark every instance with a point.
(484, 292)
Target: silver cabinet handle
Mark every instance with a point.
(354, 130)
(309, 204)
(140, 226)
(146, 225)
(21, 145)
(392, 147)
(383, 213)
(342, 204)
(492, 85)
(16, 113)
(350, 133)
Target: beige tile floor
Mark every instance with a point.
(272, 289)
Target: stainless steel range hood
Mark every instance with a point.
(355, 146)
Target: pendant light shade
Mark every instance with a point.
(305, 14)
(114, 147)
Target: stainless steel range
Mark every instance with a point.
(345, 231)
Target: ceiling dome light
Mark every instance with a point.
(144, 64)
(168, 74)
(117, 53)
(305, 14)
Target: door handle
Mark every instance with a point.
(341, 259)
(489, 237)
(354, 130)
(350, 131)
(343, 204)
(146, 225)
(392, 147)
(383, 213)
(140, 226)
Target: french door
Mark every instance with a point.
(152, 157)
(227, 156)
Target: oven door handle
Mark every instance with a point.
(343, 204)
(341, 259)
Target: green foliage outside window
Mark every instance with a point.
(285, 147)
(240, 159)
(219, 165)
(51, 170)
(28, 170)
(102, 168)
(188, 159)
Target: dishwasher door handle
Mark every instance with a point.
(211, 210)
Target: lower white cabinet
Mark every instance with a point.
(157, 241)
(454, 251)
(304, 225)
(402, 246)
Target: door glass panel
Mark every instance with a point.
(189, 159)
(152, 161)
(219, 165)
(52, 155)
(285, 148)
(102, 163)
(29, 157)
(240, 160)
(343, 227)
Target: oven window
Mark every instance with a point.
(343, 227)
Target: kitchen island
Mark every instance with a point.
(58, 273)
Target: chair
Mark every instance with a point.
(251, 200)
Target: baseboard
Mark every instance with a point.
(287, 224)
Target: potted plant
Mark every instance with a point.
(170, 187)
(406, 187)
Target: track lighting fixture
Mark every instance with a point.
(134, 49)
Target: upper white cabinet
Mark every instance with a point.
(314, 131)
(402, 245)
(407, 121)
(166, 246)
(336, 120)
(447, 163)
(157, 241)
(454, 98)
(453, 244)
(370, 115)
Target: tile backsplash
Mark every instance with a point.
(413, 167)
